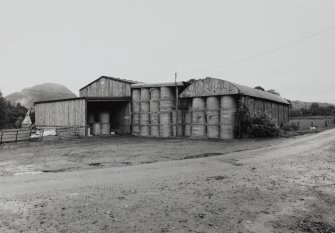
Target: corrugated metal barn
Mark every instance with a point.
(205, 108)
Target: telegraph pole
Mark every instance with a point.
(177, 102)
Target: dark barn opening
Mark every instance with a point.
(105, 117)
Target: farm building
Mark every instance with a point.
(204, 108)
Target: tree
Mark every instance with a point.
(272, 91)
(260, 88)
(3, 111)
(314, 106)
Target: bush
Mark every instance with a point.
(256, 126)
(292, 126)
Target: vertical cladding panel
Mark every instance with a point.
(63, 113)
(259, 106)
(105, 87)
(280, 114)
(275, 112)
(267, 105)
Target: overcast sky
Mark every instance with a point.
(74, 42)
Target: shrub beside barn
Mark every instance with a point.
(205, 108)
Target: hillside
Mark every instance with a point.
(296, 104)
(42, 92)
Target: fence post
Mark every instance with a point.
(1, 137)
(31, 130)
(17, 132)
(42, 134)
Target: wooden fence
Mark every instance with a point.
(16, 135)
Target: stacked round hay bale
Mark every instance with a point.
(213, 116)
(90, 118)
(96, 128)
(227, 117)
(154, 112)
(104, 118)
(145, 109)
(188, 119)
(166, 108)
(198, 117)
(136, 96)
(177, 124)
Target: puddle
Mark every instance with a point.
(57, 170)
(201, 155)
(95, 164)
(126, 163)
(216, 178)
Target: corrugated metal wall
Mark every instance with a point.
(279, 112)
(62, 113)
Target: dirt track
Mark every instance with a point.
(286, 186)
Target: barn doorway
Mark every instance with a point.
(108, 116)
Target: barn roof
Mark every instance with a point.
(148, 85)
(216, 87)
(112, 78)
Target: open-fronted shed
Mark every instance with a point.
(213, 104)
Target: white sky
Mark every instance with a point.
(74, 42)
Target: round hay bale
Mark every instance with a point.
(90, 117)
(104, 117)
(105, 128)
(198, 117)
(165, 129)
(177, 125)
(136, 124)
(145, 94)
(96, 129)
(154, 94)
(167, 93)
(213, 116)
(227, 117)
(144, 122)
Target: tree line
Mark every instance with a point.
(314, 110)
(11, 116)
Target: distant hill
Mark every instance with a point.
(42, 92)
(296, 104)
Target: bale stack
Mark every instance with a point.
(213, 116)
(154, 112)
(104, 118)
(198, 117)
(145, 109)
(188, 118)
(227, 117)
(166, 108)
(177, 124)
(136, 96)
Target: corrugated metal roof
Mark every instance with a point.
(252, 92)
(148, 85)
